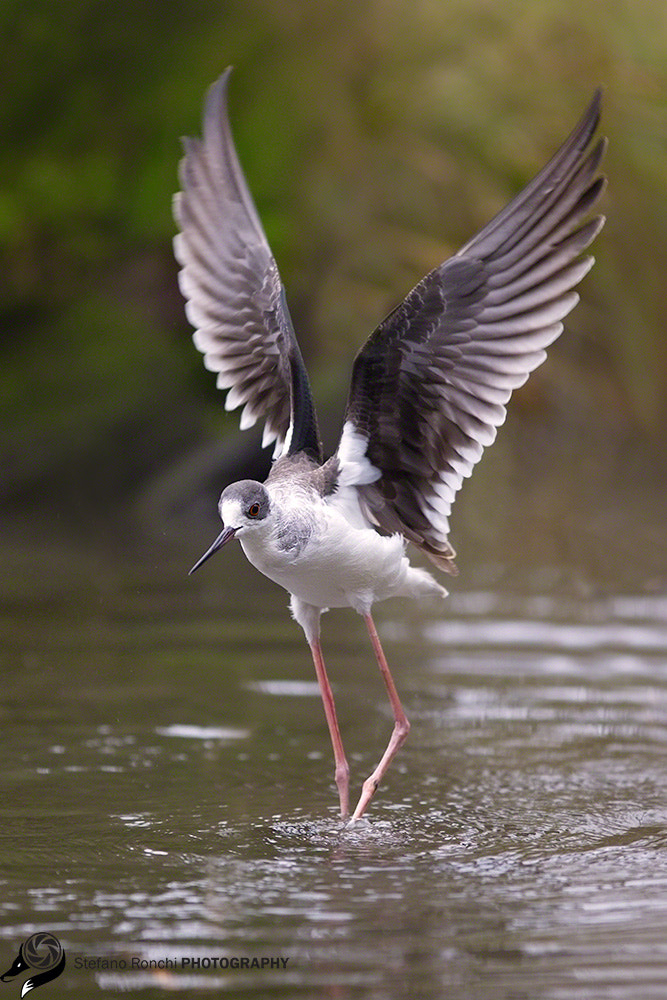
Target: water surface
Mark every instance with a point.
(167, 792)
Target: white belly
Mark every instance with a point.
(339, 565)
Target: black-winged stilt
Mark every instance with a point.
(429, 387)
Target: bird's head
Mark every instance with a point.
(243, 507)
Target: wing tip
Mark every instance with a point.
(219, 87)
(215, 103)
(596, 101)
(591, 117)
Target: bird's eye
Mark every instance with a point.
(254, 510)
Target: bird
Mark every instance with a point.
(428, 391)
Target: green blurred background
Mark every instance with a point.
(377, 136)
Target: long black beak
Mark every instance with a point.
(225, 536)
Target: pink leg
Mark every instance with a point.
(401, 724)
(342, 772)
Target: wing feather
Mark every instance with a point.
(430, 386)
(234, 296)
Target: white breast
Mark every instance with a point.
(332, 563)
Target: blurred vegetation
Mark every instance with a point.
(377, 136)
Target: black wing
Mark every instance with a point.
(234, 296)
(430, 386)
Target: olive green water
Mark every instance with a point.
(166, 789)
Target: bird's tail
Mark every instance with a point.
(420, 583)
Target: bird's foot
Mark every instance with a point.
(358, 823)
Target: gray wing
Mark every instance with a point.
(234, 296)
(430, 386)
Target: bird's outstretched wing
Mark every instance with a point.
(430, 386)
(234, 296)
